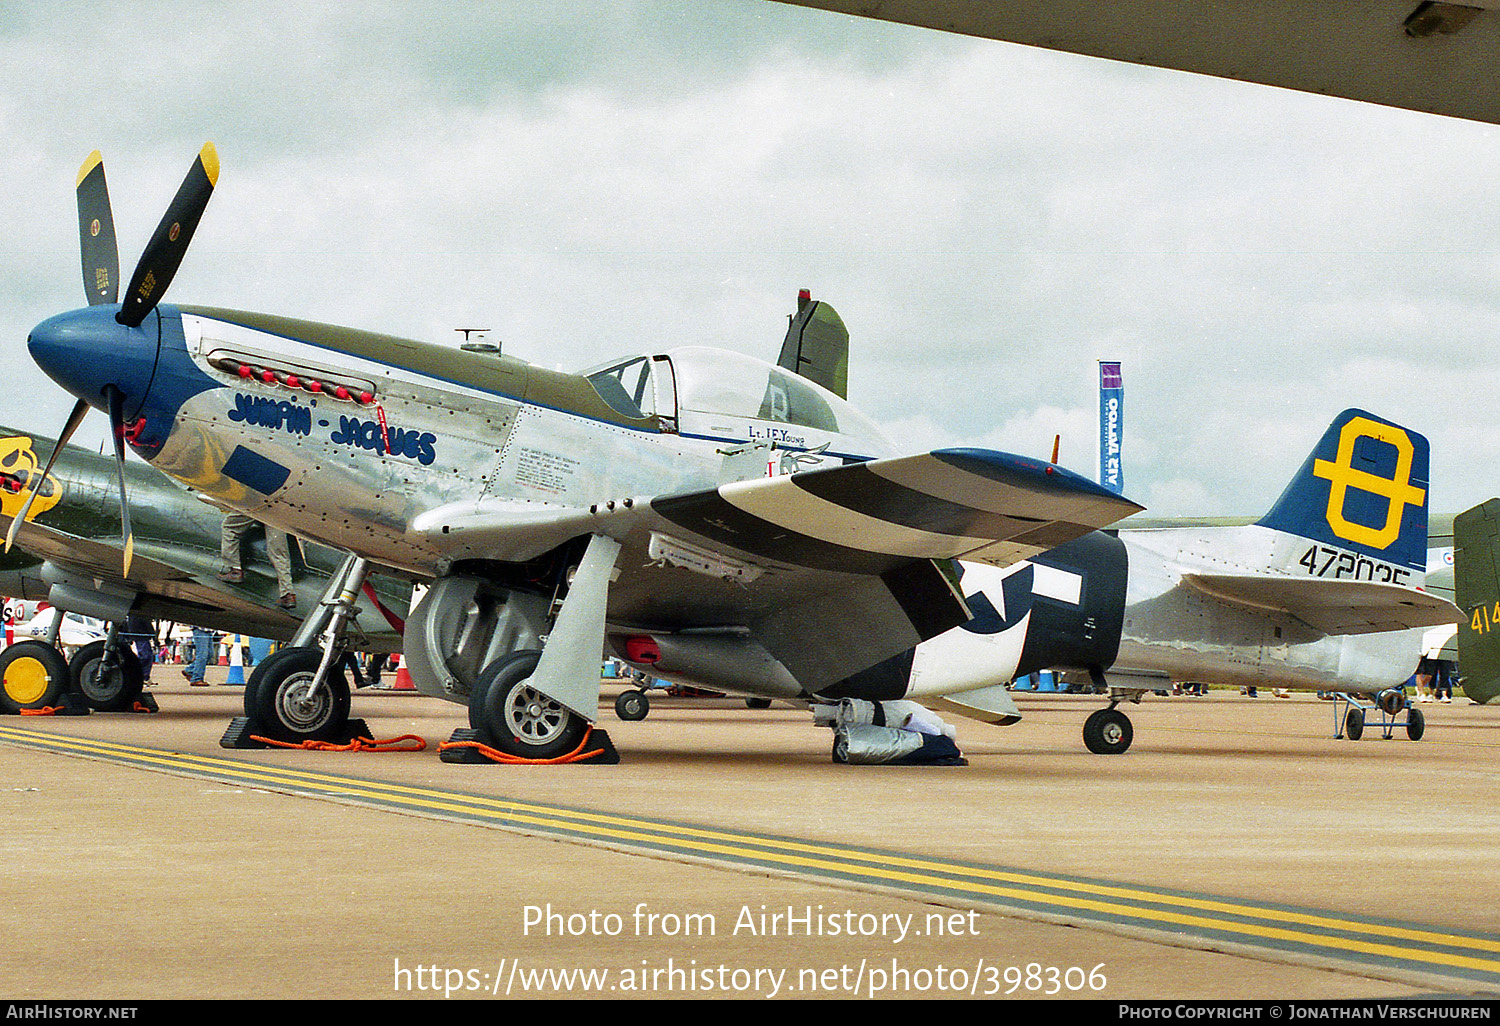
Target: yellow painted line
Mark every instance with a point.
(895, 869)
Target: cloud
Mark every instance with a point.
(596, 179)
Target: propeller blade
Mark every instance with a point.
(96, 234)
(33, 487)
(117, 428)
(163, 254)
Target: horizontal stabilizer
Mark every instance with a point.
(991, 704)
(1331, 606)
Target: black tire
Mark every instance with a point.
(279, 708)
(632, 705)
(509, 716)
(1354, 723)
(33, 675)
(114, 690)
(1107, 732)
(1416, 723)
(267, 667)
(757, 703)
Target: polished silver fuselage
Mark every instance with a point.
(1175, 631)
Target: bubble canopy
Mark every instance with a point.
(720, 393)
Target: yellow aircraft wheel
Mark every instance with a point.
(33, 675)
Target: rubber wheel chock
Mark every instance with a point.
(469, 756)
(241, 734)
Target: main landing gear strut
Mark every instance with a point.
(300, 693)
(541, 704)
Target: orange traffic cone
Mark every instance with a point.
(403, 678)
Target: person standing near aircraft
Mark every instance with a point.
(1422, 680)
(204, 644)
(141, 634)
(236, 527)
(1442, 680)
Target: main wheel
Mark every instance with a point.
(1354, 723)
(757, 703)
(509, 715)
(632, 705)
(267, 668)
(281, 703)
(111, 688)
(33, 675)
(1416, 723)
(1107, 732)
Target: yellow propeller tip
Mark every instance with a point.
(210, 158)
(94, 160)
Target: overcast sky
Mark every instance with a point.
(591, 179)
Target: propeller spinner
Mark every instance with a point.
(154, 271)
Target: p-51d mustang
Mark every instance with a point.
(629, 501)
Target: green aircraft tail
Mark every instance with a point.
(817, 346)
(1476, 590)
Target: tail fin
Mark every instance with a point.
(1363, 490)
(1476, 590)
(817, 346)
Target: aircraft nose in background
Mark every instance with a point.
(87, 350)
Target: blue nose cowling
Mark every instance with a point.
(86, 350)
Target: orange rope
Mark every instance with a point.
(46, 710)
(359, 744)
(576, 755)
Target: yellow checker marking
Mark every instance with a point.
(812, 856)
(1398, 491)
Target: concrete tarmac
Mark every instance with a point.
(159, 873)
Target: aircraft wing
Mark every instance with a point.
(1333, 607)
(1433, 57)
(832, 570)
(177, 582)
(863, 518)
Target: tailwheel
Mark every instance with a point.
(282, 703)
(1107, 732)
(512, 717)
(107, 685)
(33, 675)
(632, 705)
